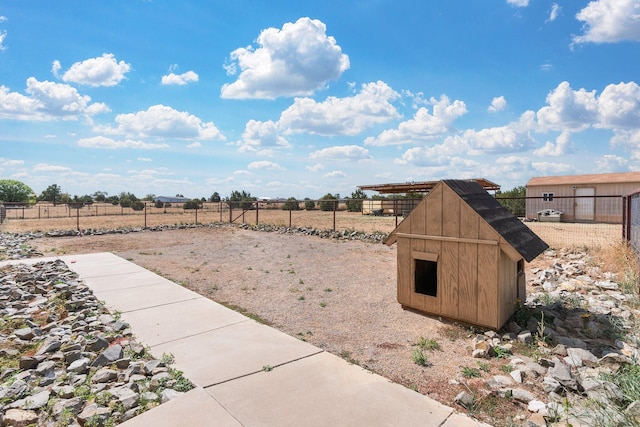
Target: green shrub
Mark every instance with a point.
(309, 204)
(291, 204)
(328, 202)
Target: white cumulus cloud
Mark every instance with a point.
(47, 101)
(259, 136)
(3, 36)
(335, 174)
(498, 103)
(561, 147)
(610, 21)
(315, 168)
(112, 144)
(343, 152)
(423, 126)
(180, 79)
(296, 60)
(342, 116)
(518, 3)
(612, 163)
(265, 164)
(104, 70)
(162, 121)
(568, 109)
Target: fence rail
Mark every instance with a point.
(381, 215)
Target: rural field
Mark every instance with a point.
(101, 216)
(336, 294)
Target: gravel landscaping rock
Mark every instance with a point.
(65, 359)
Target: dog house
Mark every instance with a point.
(461, 255)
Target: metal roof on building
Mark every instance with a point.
(420, 187)
(598, 178)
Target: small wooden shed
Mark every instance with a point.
(461, 255)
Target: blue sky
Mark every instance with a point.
(303, 98)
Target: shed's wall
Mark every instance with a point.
(472, 282)
(608, 210)
(508, 289)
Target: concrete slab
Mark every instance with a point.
(233, 351)
(324, 390)
(194, 408)
(139, 298)
(162, 324)
(458, 420)
(124, 281)
(100, 264)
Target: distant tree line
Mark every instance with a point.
(12, 191)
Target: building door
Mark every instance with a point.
(585, 206)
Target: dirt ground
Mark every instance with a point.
(337, 295)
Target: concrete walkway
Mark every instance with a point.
(247, 374)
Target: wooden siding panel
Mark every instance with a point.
(450, 213)
(418, 220)
(468, 265)
(434, 209)
(507, 287)
(487, 284)
(488, 277)
(405, 271)
(468, 282)
(448, 287)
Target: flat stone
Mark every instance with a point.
(104, 375)
(516, 375)
(561, 373)
(109, 356)
(536, 420)
(464, 399)
(37, 401)
(523, 396)
(19, 418)
(169, 394)
(80, 366)
(551, 385)
(127, 397)
(536, 406)
(24, 333)
(579, 356)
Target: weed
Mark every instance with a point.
(249, 268)
(213, 288)
(418, 357)
(181, 384)
(328, 289)
(484, 366)
(346, 355)
(301, 298)
(323, 304)
(501, 352)
(469, 372)
(300, 282)
(168, 359)
(267, 368)
(246, 313)
(506, 368)
(428, 344)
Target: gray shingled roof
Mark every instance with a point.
(518, 235)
